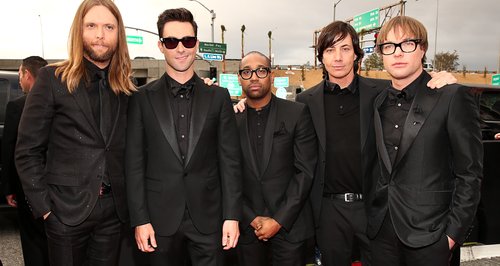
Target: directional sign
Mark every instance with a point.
(369, 49)
(212, 57)
(281, 82)
(230, 82)
(495, 79)
(134, 39)
(367, 21)
(213, 47)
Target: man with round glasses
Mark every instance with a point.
(429, 154)
(182, 157)
(278, 144)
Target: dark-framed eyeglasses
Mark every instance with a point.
(171, 42)
(261, 72)
(407, 46)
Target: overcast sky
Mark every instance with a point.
(472, 28)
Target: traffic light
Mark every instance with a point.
(375, 36)
(213, 73)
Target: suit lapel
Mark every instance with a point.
(202, 98)
(119, 99)
(423, 103)
(162, 108)
(246, 147)
(379, 133)
(269, 135)
(82, 99)
(317, 109)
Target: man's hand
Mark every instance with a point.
(46, 215)
(11, 200)
(230, 234)
(441, 79)
(209, 82)
(145, 237)
(240, 106)
(497, 136)
(268, 229)
(451, 242)
(257, 222)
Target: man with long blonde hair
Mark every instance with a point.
(71, 141)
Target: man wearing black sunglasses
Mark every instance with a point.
(279, 156)
(183, 167)
(429, 154)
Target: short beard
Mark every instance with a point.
(106, 57)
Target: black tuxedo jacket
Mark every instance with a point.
(10, 183)
(280, 187)
(60, 151)
(159, 184)
(433, 186)
(314, 99)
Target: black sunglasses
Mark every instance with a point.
(171, 42)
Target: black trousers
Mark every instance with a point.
(188, 244)
(388, 250)
(33, 238)
(94, 242)
(342, 232)
(277, 251)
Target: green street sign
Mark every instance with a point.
(230, 82)
(495, 79)
(213, 48)
(134, 39)
(367, 21)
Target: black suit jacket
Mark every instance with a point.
(10, 183)
(281, 190)
(60, 151)
(434, 184)
(314, 99)
(160, 186)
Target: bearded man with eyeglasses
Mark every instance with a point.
(278, 143)
(183, 168)
(429, 154)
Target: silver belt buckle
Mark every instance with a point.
(349, 197)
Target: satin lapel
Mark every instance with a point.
(317, 109)
(246, 147)
(82, 99)
(162, 108)
(269, 135)
(366, 93)
(379, 133)
(203, 95)
(423, 103)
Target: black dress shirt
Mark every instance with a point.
(181, 96)
(393, 113)
(343, 140)
(257, 122)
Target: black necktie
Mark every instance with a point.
(104, 107)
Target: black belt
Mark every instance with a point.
(105, 189)
(347, 197)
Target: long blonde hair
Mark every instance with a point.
(72, 70)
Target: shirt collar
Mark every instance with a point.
(334, 88)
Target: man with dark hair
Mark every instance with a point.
(183, 166)
(33, 238)
(429, 155)
(279, 151)
(71, 141)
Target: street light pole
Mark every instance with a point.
(212, 12)
(41, 35)
(436, 36)
(334, 7)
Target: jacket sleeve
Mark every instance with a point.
(305, 158)
(32, 142)
(467, 152)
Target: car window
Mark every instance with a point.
(4, 97)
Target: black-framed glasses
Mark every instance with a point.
(171, 42)
(407, 46)
(261, 72)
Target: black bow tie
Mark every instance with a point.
(394, 96)
(184, 89)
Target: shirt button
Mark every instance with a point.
(396, 148)
(399, 104)
(182, 136)
(182, 96)
(182, 116)
(396, 126)
(258, 124)
(341, 107)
